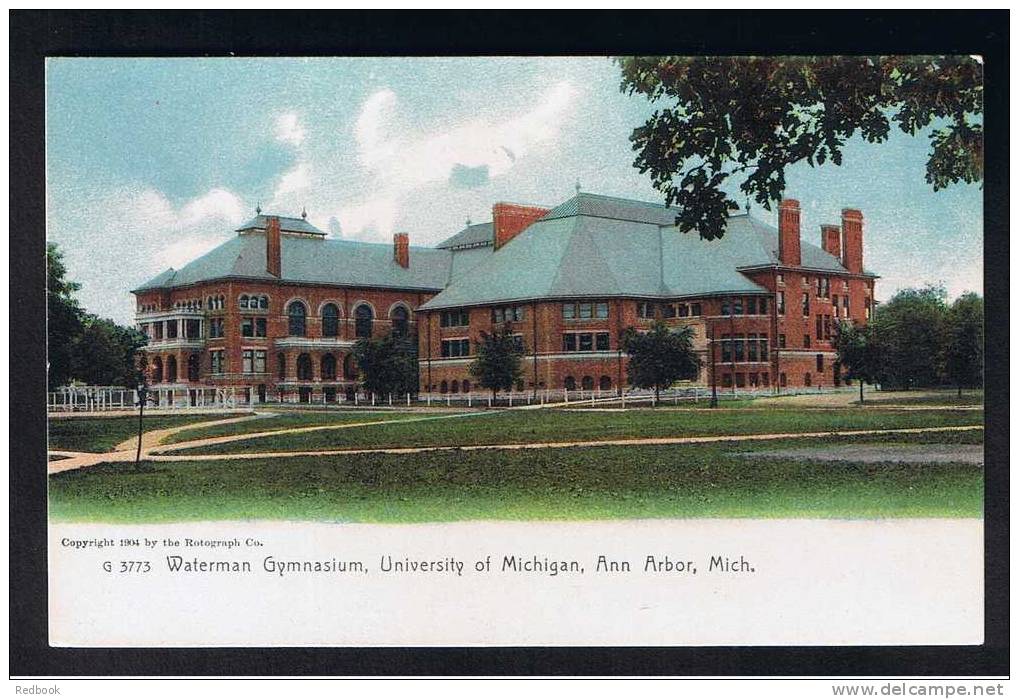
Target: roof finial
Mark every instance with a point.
(468, 220)
(258, 209)
(577, 186)
(304, 212)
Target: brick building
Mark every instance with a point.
(277, 309)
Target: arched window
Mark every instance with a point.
(328, 367)
(466, 386)
(244, 301)
(570, 383)
(330, 320)
(401, 321)
(193, 367)
(455, 388)
(157, 370)
(605, 383)
(587, 383)
(298, 316)
(443, 387)
(263, 302)
(281, 366)
(349, 368)
(171, 369)
(363, 317)
(304, 367)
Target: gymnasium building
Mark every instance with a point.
(276, 310)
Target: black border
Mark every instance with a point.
(37, 34)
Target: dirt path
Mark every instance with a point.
(153, 438)
(153, 456)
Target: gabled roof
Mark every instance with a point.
(314, 261)
(287, 224)
(601, 206)
(473, 235)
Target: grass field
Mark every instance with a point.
(103, 434)
(547, 484)
(292, 419)
(559, 425)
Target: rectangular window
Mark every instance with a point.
(820, 363)
(253, 327)
(645, 310)
(601, 342)
(171, 329)
(806, 341)
(780, 280)
(752, 347)
(866, 308)
(518, 343)
(806, 304)
(741, 380)
(725, 307)
(765, 379)
(498, 316)
(752, 377)
(586, 342)
(216, 327)
(569, 342)
(835, 305)
(248, 361)
(192, 329)
(737, 307)
(518, 313)
(158, 331)
(683, 310)
(727, 380)
(601, 310)
(827, 327)
(695, 309)
(845, 306)
(569, 311)
(726, 348)
(763, 344)
(668, 310)
(781, 303)
(781, 341)
(456, 348)
(454, 319)
(585, 311)
(739, 342)
(260, 361)
(817, 331)
(752, 306)
(217, 361)
(762, 305)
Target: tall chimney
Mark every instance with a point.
(401, 249)
(789, 232)
(510, 219)
(831, 239)
(852, 240)
(273, 256)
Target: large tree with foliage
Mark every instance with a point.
(858, 352)
(910, 334)
(497, 366)
(964, 353)
(106, 354)
(660, 357)
(63, 318)
(749, 118)
(388, 364)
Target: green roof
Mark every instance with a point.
(474, 235)
(287, 225)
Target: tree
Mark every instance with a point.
(660, 357)
(388, 364)
(106, 354)
(498, 364)
(858, 353)
(63, 318)
(964, 353)
(754, 116)
(909, 334)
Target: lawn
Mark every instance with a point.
(103, 434)
(563, 425)
(293, 419)
(678, 481)
(925, 398)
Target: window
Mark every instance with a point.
(193, 367)
(259, 361)
(171, 369)
(806, 341)
(330, 320)
(727, 380)
(465, 386)
(738, 343)
(806, 379)
(605, 383)
(281, 366)
(455, 318)
(845, 306)
(866, 308)
(454, 387)
(518, 343)
(601, 342)
(363, 318)
(216, 357)
(781, 303)
(668, 310)
(820, 363)
(835, 305)
(683, 310)
(817, 330)
(507, 314)
(752, 347)
(297, 319)
(248, 361)
(304, 367)
(587, 383)
(349, 367)
(725, 307)
(401, 321)
(752, 306)
(157, 370)
(171, 329)
(328, 367)
(585, 342)
(585, 311)
(645, 310)
(782, 380)
(741, 380)
(253, 327)
(444, 387)
(781, 341)
(762, 343)
(569, 311)
(569, 342)
(780, 280)
(215, 327)
(456, 348)
(762, 305)
(695, 309)
(726, 348)
(806, 304)
(601, 310)
(827, 327)
(570, 383)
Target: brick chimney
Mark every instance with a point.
(789, 232)
(831, 239)
(273, 253)
(509, 219)
(852, 240)
(401, 249)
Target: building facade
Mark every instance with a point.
(276, 310)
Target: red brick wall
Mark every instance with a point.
(509, 219)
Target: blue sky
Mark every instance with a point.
(151, 162)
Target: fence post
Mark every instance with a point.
(470, 399)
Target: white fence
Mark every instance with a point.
(71, 399)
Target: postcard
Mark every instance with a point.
(515, 351)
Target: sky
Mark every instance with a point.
(152, 162)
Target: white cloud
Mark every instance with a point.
(297, 179)
(289, 129)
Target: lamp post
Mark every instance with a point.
(143, 398)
